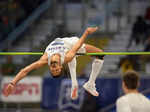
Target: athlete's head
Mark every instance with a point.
(55, 65)
(130, 80)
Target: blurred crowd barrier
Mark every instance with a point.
(54, 94)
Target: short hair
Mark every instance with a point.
(131, 79)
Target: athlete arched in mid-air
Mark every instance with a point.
(63, 51)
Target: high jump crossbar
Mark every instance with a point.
(99, 53)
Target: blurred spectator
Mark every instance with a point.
(139, 32)
(129, 63)
(8, 68)
(14, 12)
(145, 59)
(147, 45)
(30, 5)
(147, 14)
(5, 27)
(133, 100)
(11, 15)
(147, 18)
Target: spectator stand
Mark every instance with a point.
(21, 28)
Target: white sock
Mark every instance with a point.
(72, 68)
(96, 67)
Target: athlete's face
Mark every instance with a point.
(55, 66)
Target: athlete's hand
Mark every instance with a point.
(91, 30)
(9, 89)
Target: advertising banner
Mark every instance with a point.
(27, 90)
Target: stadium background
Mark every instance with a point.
(30, 25)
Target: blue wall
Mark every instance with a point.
(56, 93)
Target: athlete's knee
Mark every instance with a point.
(101, 50)
(101, 57)
(98, 50)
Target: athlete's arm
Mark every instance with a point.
(69, 56)
(23, 72)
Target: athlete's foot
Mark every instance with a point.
(90, 88)
(74, 92)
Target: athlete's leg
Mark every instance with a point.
(96, 67)
(92, 49)
(72, 68)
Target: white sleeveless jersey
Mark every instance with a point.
(133, 102)
(61, 46)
